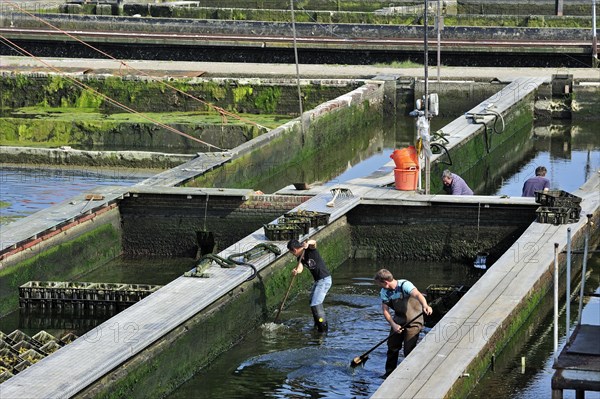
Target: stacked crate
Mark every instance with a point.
(56, 294)
(294, 224)
(557, 207)
(19, 351)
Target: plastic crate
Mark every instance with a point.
(574, 214)
(8, 359)
(5, 375)
(303, 224)
(552, 215)
(557, 198)
(68, 338)
(32, 356)
(50, 347)
(21, 366)
(282, 232)
(43, 337)
(316, 218)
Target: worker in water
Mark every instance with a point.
(407, 303)
(537, 183)
(454, 184)
(308, 256)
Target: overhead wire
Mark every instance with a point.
(122, 63)
(112, 101)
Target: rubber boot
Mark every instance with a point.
(319, 317)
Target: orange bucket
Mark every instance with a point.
(405, 158)
(406, 179)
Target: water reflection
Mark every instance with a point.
(27, 190)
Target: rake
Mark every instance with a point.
(339, 192)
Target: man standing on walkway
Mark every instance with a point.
(308, 256)
(454, 184)
(537, 183)
(407, 302)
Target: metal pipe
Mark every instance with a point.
(297, 70)
(439, 37)
(584, 267)
(568, 294)
(555, 302)
(594, 36)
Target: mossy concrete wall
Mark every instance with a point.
(180, 353)
(167, 225)
(325, 134)
(452, 232)
(470, 157)
(586, 101)
(53, 110)
(63, 255)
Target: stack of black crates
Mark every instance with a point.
(557, 207)
(294, 224)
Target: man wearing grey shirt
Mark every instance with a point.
(454, 184)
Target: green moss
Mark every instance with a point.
(240, 93)
(4, 204)
(268, 99)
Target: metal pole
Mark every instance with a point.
(439, 37)
(584, 267)
(559, 8)
(555, 302)
(594, 36)
(297, 69)
(568, 295)
(426, 62)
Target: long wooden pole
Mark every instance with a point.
(284, 298)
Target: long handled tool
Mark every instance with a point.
(365, 356)
(341, 192)
(284, 298)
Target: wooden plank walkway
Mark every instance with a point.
(45, 220)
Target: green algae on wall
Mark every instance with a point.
(321, 143)
(61, 262)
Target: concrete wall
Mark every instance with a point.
(282, 29)
(454, 232)
(167, 225)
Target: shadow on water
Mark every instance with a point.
(292, 360)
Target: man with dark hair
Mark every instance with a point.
(454, 184)
(537, 183)
(407, 302)
(307, 255)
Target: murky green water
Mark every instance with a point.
(291, 360)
